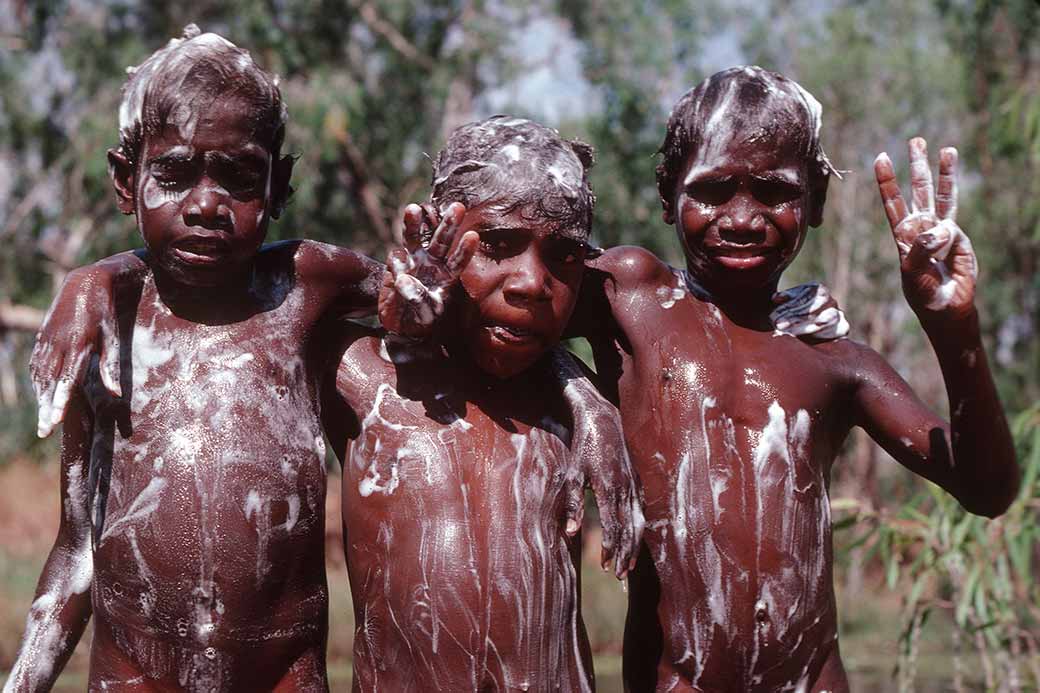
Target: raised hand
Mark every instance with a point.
(80, 322)
(418, 277)
(809, 311)
(938, 264)
(598, 446)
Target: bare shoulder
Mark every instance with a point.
(318, 260)
(360, 343)
(312, 260)
(632, 267)
(360, 358)
(855, 361)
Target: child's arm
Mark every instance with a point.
(61, 608)
(347, 281)
(599, 445)
(973, 457)
(81, 320)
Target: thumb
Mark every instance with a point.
(929, 244)
(108, 365)
(574, 510)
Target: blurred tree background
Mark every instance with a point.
(374, 86)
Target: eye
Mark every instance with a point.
(499, 244)
(240, 180)
(172, 175)
(774, 192)
(712, 192)
(565, 251)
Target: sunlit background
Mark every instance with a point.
(930, 598)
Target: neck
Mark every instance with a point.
(746, 306)
(229, 301)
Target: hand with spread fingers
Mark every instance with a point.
(81, 322)
(936, 258)
(418, 277)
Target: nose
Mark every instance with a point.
(528, 283)
(743, 220)
(208, 208)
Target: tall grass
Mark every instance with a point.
(981, 573)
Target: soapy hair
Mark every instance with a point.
(177, 82)
(744, 103)
(514, 164)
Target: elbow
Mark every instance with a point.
(989, 509)
(995, 502)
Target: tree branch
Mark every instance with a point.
(365, 188)
(389, 32)
(18, 317)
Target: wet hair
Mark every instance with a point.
(515, 164)
(185, 76)
(746, 102)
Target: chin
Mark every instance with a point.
(505, 363)
(202, 277)
(722, 278)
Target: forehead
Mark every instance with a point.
(491, 215)
(734, 154)
(224, 123)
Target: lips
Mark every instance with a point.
(741, 256)
(201, 249)
(512, 335)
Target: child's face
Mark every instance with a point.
(202, 196)
(520, 286)
(742, 211)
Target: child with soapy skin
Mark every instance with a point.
(733, 425)
(193, 477)
(193, 505)
(459, 473)
(738, 427)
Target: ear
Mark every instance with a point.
(122, 173)
(817, 197)
(281, 172)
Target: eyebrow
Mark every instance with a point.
(705, 173)
(174, 155)
(779, 176)
(239, 157)
(488, 226)
(699, 173)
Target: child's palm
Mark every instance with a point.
(418, 277)
(937, 261)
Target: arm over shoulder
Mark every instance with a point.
(631, 267)
(348, 280)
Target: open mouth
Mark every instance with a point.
(200, 250)
(509, 334)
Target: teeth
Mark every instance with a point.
(515, 331)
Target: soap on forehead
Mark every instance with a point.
(507, 160)
(749, 103)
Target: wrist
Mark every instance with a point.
(948, 327)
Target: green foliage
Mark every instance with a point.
(981, 573)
